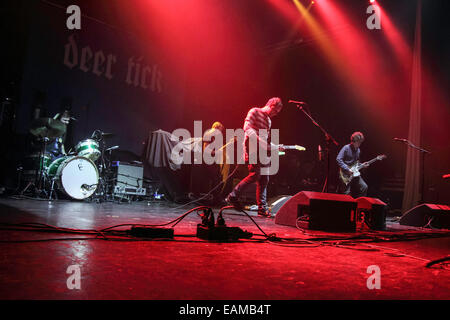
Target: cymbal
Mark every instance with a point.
(47, 127)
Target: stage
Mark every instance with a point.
(304, 265)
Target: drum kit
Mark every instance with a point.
(79, 174)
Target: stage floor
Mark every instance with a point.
(33, 266)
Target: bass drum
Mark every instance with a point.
(75, 176)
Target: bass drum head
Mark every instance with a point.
(78, 177)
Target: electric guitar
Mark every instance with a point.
(346, 178)
(280, 153)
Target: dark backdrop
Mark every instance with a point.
(215, 60)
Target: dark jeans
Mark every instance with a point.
(356, 188)
(254, 176)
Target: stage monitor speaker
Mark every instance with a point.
(319, 211)
(372, 211)
(277, 203)
(427, 214)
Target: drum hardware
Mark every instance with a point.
(52, 189)
(44, 129)
(112, 148)
(99, 135)
(102, 194)
(104, 186)
(107, 135)
(29, 184)
(39, 170)
(42, 168)
(108, 172)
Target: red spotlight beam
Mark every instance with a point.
(401, 48)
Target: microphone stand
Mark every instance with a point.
(329, 139)
(423, 152)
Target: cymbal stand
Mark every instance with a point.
(52, 189)
(102, 177)
(101, 193)
(42, 172)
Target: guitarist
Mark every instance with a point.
(348, 156)
(256, 119)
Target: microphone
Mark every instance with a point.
(86, 187)
(73, 118)
(399, 139)
(297, 102)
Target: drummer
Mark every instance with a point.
(55, 147)
(53, 131)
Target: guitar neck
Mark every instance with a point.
(371, 161)
(294, 147)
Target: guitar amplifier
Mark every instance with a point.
(128, 178)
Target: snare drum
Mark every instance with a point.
(76, 176)
(88, 148)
